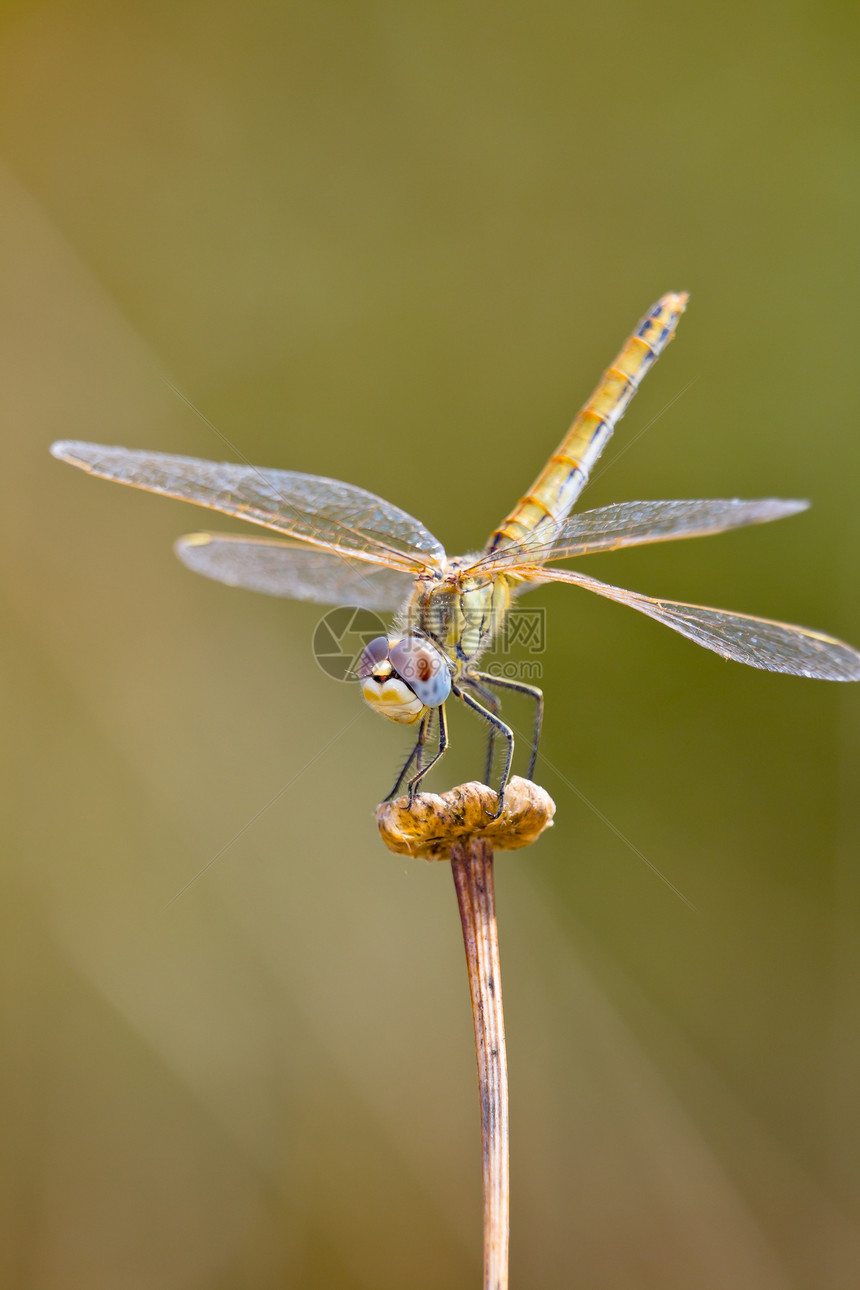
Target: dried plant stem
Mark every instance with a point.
(472, 866)
(463, 826)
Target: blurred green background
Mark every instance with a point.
(397, 244)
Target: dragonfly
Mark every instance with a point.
(342, 545)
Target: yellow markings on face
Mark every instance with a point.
(392, 698)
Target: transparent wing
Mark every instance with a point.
(634, 523)
(322, 512)
(283, 569)
(758, 642)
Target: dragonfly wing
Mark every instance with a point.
(282, 569)
(635, 523)
(758, 642)
(322, 512)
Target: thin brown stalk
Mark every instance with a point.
(464, 825)
(472, 867)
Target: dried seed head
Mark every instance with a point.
(436, 822)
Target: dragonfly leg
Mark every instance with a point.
(416, 753)
(500, 727)
(493, 702)
(420, 746)
(533, 693)
(443, 744)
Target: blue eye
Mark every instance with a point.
(424, 669)
(372, 655)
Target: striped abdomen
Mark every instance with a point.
(566, 473)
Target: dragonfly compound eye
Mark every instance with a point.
(424, 669)
(372, 655)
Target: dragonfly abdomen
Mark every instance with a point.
(551, 497)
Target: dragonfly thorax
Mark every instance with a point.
(460, 613)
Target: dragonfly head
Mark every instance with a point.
(403, 678)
